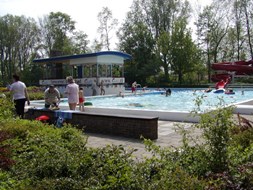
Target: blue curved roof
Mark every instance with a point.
(67, 58)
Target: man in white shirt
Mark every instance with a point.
(52, 97)
(20, 95)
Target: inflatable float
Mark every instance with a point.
(87, 104)
(229, 91)
(220, 90)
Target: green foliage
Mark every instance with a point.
(5, 149)
(45, 157)
(112, 168)
(35, 93)
(32, 74)
(220, 157)
(107, 24)
(216, 126)
(10, 182)
(42, 151)
(139, 43)
(59, 25)
(36, 96)
(6, 109)
(18, 35)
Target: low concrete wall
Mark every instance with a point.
(130, 126)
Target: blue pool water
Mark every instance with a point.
(180, 100)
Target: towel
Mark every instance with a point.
(65, 114)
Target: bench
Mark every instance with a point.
(130, 126)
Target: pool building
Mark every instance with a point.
(89, 71)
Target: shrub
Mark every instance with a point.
(112, 168)
(35, 93)
(46, 157)
(6, 109)
(3, 89)
(10, 182)
(5, 151)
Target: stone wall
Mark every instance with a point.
(130, 126)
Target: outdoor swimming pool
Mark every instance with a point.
(181, 100)
(176, 107)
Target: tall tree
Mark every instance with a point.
(164, 52)
(183, 50)
(96, 46)
(212, 29)
(107, 25)
(18, 39)
(137, 40)
(79, 43)
(248, 5)
(238, 14)
(56, 29)
(160, 17)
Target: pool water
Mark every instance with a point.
(179, 100)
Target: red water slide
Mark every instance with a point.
(238, 67)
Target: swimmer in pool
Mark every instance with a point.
(167, 92)
(208, 90)
(136, 105)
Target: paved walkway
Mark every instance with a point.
(168, 135)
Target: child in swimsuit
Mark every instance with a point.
(81, 99)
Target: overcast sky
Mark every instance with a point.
(84, 12)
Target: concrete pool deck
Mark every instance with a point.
(245, 107)
(167, 135)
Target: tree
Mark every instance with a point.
(56, 29)
(137, 40)
(211, 30)
(139, 43)
(18, 40)
(238, 13)
(79, 43)
(96, 46)
(183, 50)
(160, 17)
(32, 74)
(248, 5)
(164, 48)
(107, 24)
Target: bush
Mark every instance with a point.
(42, 151)
(35, 93)
(45, 157)
(5, 151)
(6, 109)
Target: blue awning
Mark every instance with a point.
(97, 57)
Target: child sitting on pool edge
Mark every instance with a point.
(81, 99)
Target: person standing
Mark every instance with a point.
(102, 88)
(72, 90)
(81, 99)
(20, 95)
(93, 87)
(52, 97)
(134, 86)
